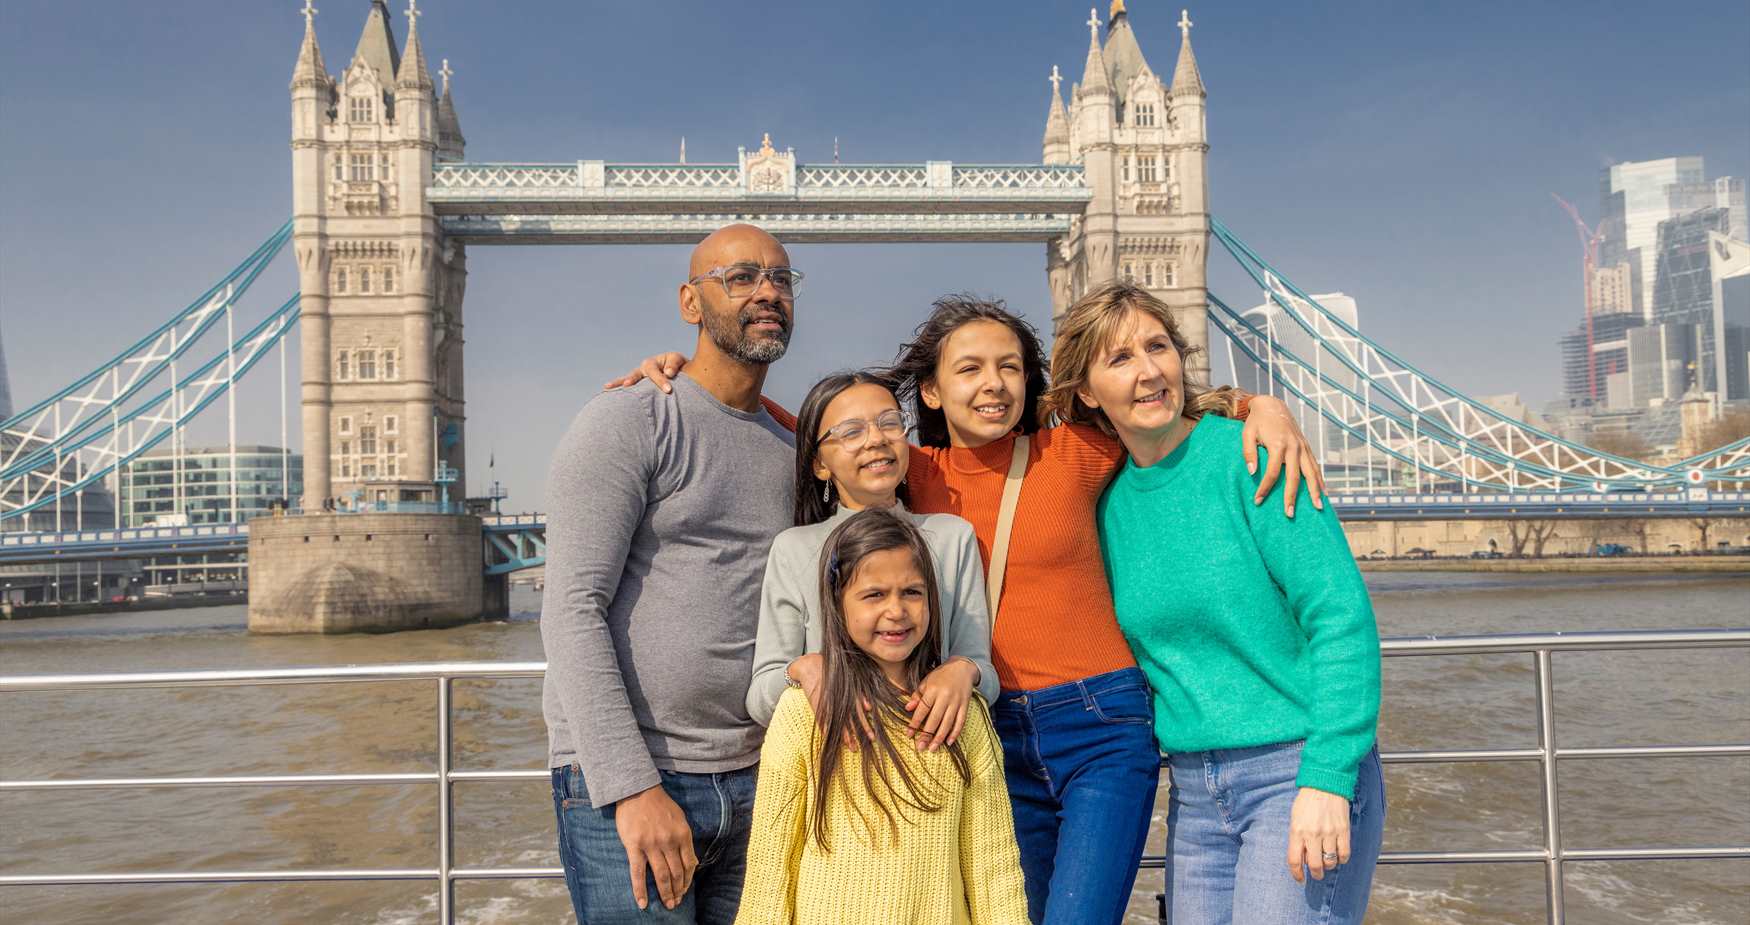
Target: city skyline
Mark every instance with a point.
(1416, 275)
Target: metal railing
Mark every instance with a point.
(1553, 855)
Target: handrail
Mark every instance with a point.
(1553, 855)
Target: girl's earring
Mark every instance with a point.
(826, 492)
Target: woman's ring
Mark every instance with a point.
(1329, 856)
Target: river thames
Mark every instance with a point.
(1613, 698)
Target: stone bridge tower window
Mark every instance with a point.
(361, 109)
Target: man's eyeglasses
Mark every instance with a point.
(854, 431)
(743, 280)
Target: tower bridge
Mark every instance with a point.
(386, 206)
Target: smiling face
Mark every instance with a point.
(887, 609)
(865, 462)
(1138, 380)
(980, 383)
(752, 329)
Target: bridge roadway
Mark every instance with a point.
(513, 542)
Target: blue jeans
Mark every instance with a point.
(1228, 849)
(1082, 767)
(719, 807)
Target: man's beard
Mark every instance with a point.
(730, 336)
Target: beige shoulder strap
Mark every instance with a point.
(999, 550)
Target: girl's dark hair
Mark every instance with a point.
(851, 677)
(812, 504)
(916, 362)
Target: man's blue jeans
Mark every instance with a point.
(1082, 767)
(1228, 849)
(719, 807)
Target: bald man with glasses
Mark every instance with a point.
(662, 508)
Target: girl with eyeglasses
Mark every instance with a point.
(852, 455)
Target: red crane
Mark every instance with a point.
(1589, 239)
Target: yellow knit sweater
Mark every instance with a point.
(957, 866)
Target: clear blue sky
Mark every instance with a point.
(1403, 153)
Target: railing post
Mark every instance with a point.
(1552, 821)
(446, 893)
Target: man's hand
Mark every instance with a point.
(659, 369)
(658, 839)
(938, 706)
(1269, 423)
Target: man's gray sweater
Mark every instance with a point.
(661, 510)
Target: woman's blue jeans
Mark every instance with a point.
(1082, 769)
(1228, 841)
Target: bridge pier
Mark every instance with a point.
(368, 573)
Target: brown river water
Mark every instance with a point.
(1624, 698)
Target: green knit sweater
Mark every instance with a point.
(1253, 628)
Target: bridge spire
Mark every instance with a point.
(450, 140)
(414, 74)
(1094, 76)
(310, 70)
(1056, 124)
(1186, 79)
(377, 44)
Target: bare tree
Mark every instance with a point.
(1535, 532)
(1542, 531)
(1702, 525)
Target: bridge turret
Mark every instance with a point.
(1143, 151)
(381, 310)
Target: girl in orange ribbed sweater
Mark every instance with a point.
(1075, 716)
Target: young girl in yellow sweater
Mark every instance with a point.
(881, 831)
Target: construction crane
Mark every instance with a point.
(1589, 238)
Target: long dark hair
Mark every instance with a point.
(916, 362)
(851, 677)
(813, 504)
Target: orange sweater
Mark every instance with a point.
(1056, 623)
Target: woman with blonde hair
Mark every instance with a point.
(1254, 629)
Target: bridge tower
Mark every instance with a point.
(381, 323)
(1144, 146)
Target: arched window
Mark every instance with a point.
(340, 280)
(388, 279)
(364, 280)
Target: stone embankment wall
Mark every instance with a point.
(1463, 537)
(348, 573)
